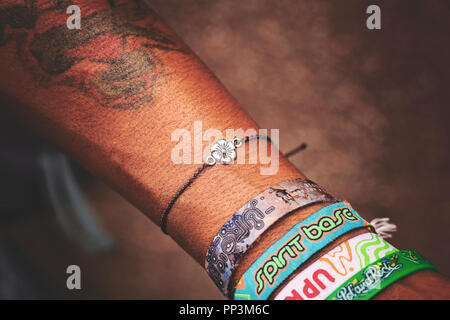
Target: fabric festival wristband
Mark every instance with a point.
(253, 219)
(294, 248)
(379, 275)
(331, 270)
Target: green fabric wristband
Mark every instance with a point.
(379, 275)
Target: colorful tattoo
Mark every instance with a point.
(113, 57)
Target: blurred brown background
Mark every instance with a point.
(370, 104)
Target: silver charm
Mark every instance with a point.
(223, 151)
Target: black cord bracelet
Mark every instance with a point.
(221, 152)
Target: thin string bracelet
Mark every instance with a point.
(222, 152)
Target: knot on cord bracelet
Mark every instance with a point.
(222, 152)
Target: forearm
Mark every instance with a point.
(112, 93)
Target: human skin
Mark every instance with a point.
(111, 95)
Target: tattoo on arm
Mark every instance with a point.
(114, 57)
